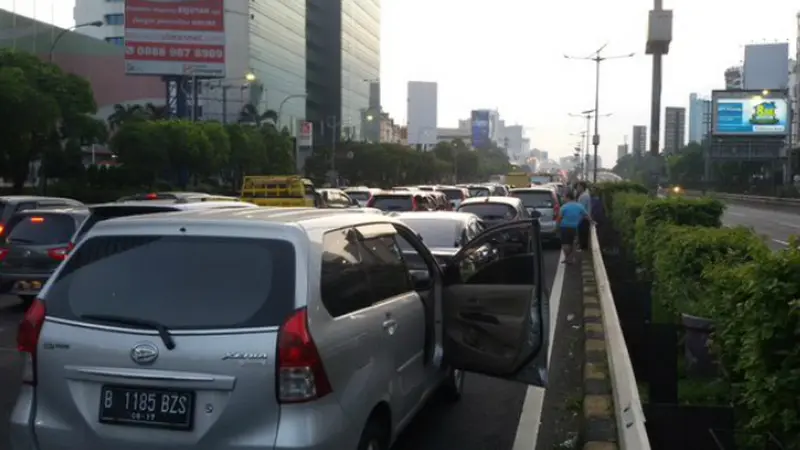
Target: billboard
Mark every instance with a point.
(766, 66)
(175, 37)
(481, 128)
(750, 113)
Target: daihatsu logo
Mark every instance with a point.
(144, 353)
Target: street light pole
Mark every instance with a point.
(51, 54)
(597, 58)
(283, 102)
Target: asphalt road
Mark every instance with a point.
(486, 418)
(775, 225)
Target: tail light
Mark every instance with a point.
(371, 202)
(301, 376)
(70, 247)
(2, 228)
(414, 204)
(59, 254)
(3, 253)
(28, 339)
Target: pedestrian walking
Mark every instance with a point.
(571, 215)
(585, 199)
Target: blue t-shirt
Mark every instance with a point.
(572, 213)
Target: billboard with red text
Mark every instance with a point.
(175, 37)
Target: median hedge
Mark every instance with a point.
(730, 276)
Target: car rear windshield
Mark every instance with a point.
(41, 229)
(436, 232)
(100, 214)
(180, 282)
(392, 202)
(453, 194)
(535, 199)
(359, 196)
(490, 211)
(479, 191)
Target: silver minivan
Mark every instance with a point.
(292, 328)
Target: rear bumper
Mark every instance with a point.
(320, 425)
(549, 230)
(20, 429)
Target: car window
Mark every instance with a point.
(342, 285)
(386, 271)
(359, 196)
(41, 229)
(490, 211)
(392, 202)
(535, 199)
(481, 191)
(24, 206)
(242, 283)
(412, 258)
(452, 194)
(435, 232)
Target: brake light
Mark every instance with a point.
(301, 375)
(371, 202)
(28, 339)
(414, 204)
(37, 219)
(3, 253)
(59, 254)
(151, 196)
(2, 228)
(70, 247)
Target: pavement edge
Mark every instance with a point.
(599, 423)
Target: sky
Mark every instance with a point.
(509, 55)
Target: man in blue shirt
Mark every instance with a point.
(570, 218)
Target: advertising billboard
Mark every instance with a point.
(175, 37)
(750, 114)
(481, 128)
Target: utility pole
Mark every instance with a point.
(659, 36)
(588, 115)
(598, 58)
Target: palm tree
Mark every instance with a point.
(124, 113)
(250, 114)
(157, 112)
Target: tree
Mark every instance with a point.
(250, 114)
(687, 167)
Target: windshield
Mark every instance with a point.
(392, 202)
(252, 282)
(479, 191)
(535, 199)
(359, 196)
(453, 194)
(436, 232)
(41, 229)
(540, 179)
(490, 211)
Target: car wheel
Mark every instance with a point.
(453, 386)
(374, 437)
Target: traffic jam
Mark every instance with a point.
(288, 317)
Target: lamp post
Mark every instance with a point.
(283, 102)
(51, 54)
(597, 58)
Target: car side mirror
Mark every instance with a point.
(422, 279)
(536, 214)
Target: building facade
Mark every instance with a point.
(766, 66)
(422, 113)
(639, 141)
(622, 151)
(513, 137)
(699, 118)
(734, 78)
(674, 129)
(110, 12)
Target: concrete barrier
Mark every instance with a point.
(608, 365)
(750, 199)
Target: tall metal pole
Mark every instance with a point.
(586, 142)
(596, 137)
(655, 101)
(195, 96)
(225, 104)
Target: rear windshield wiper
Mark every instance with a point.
(163, 332)
(20, 241)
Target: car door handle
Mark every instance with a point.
(390, 326)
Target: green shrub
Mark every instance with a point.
(627, 208)
(703, 212)
(683, 254)
(608, 190)
(756, 307)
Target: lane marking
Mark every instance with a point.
(531, 417)
(787, 224)
(778, 241)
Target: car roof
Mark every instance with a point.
(31, 198)
(510, 201)
(532, 189)
(308, 219)
(438, 215)
(400, 193)
(70, 211)
(172, 204)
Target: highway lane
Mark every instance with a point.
(486, 418)
(775, 225)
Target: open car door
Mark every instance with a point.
(494, 305)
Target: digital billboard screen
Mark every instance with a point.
(750, 114)
(481, 129)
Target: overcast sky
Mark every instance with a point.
(508, 55)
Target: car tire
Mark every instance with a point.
(453, 386)
(374, 437)
(27, 300)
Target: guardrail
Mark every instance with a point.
(751, 199)
(628, 412)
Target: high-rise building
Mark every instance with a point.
(422, 112)
(342, 49)
(622, 150)
(674, 129)
(734, 78)
(699, 118)
(513, 138)
(639, 141)
(111, 13)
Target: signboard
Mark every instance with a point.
(306, 137)
(481, 128)
(750, 114)
(175, 37)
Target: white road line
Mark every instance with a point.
(531, 417)
(788, 224)
(778, 241)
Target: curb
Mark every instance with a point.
(599, 423)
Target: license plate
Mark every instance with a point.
(147, 407)
(27, 287)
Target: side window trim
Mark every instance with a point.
(416, 244)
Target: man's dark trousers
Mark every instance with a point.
(583, 234)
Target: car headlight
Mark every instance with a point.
(676, 189)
